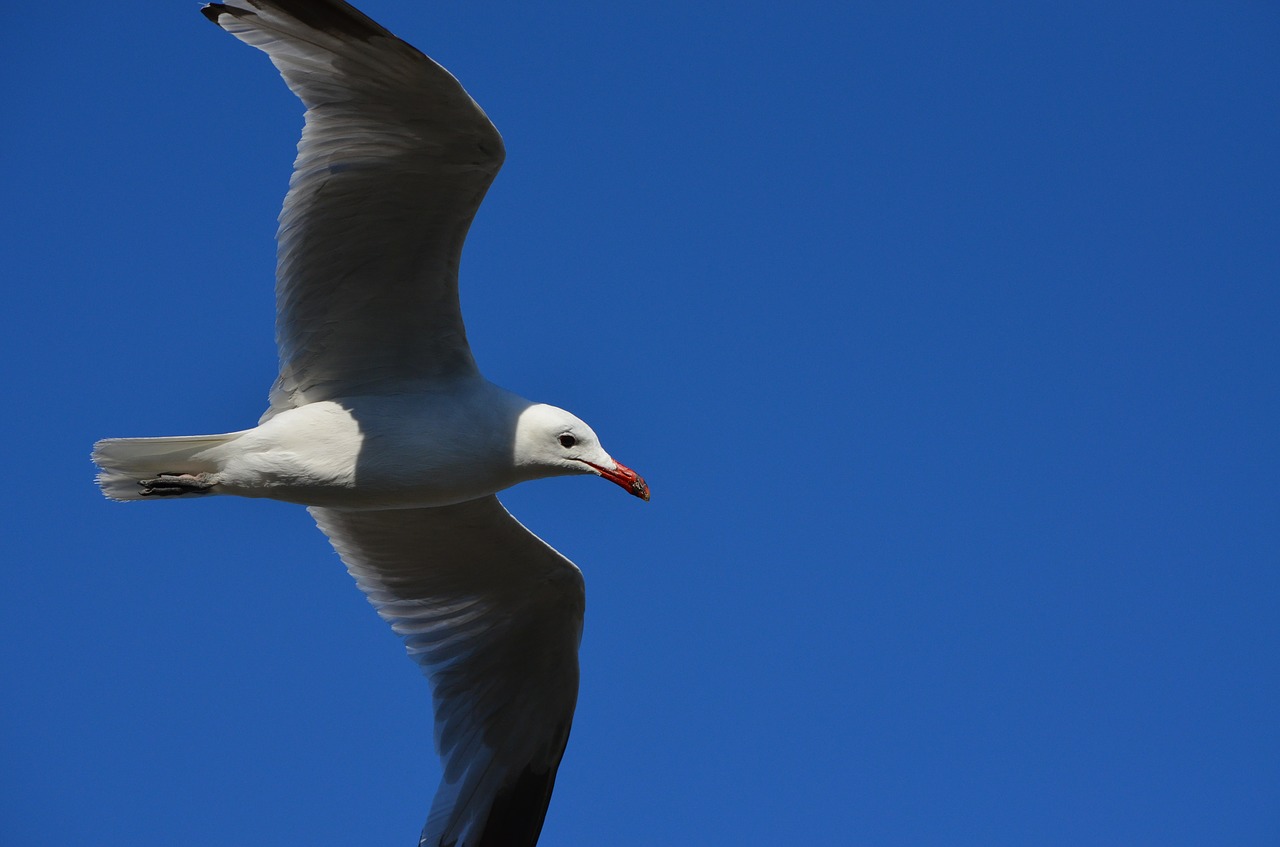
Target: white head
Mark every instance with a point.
(552, 442)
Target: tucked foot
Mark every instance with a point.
(176, 484)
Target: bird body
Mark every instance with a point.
(380, 451)
(381, 423)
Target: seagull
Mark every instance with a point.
(381, 423)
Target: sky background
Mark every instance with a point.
(946, 335)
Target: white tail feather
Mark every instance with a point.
(124, 462)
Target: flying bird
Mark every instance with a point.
(381, 423)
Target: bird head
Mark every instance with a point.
(553, 442)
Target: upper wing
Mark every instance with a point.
(394, 160)
(494, 616)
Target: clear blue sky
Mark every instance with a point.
(946, 334)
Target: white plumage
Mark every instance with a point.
(381, 422)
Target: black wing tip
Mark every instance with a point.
(517, 814)
(214, 11)
(332, 16)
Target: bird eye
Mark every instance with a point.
(567, 440)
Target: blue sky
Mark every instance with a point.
(945, 335)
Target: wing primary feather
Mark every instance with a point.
(335, 18)
(519, 810)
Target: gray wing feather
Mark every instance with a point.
(494, 616)
(394, 161)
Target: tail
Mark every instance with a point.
(125, 462)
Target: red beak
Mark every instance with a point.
(624, 476)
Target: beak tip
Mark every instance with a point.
(624, 477)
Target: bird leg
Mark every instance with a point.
(175, 484)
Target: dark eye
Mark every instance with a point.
(567, 440)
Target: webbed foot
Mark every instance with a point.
(176, 484)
